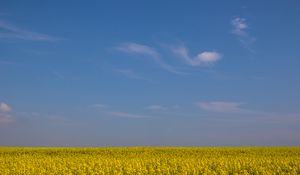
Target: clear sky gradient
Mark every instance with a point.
(126, 73)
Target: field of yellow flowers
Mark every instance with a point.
(150, 160)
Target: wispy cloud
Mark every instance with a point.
(46, 117)
(99, 106)
(157, 108)
(107, 110)
(140, 49)
(5, 117)
(38, 52)
(130, 74)
(9, 31)
(240, 114)
(4, 14)
(239, 26)
(221, 106)
(204, 58)
(7, 62)
(135, 48)
(240, 29)
(126, 115)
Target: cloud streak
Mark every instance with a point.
(139, 49)
(9, 31)
(99, 106)
(204, 58)
(221, 106)
(5, 118)
(126, 115)
(157, 108)
(108, 111)
(134, 48)
(7, 63)
(130, 74)
(46, 117)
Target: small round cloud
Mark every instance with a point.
(208, 57)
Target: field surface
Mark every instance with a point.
(150, 160)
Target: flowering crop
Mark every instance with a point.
(150, 160)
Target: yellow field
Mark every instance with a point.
(150, 160)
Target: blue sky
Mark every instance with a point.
(180, 73)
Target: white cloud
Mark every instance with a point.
(125, 115)
(208, 57)
(157, 108)
(139, 49)
(9, 31)
(220, 106)
(204, 58)
(4, 107)
(130, 74)
(239, 28)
